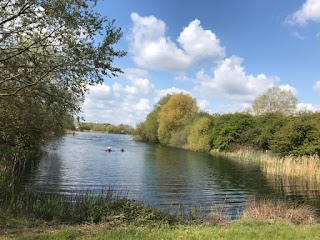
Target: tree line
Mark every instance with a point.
(106, 128)
(274, 125)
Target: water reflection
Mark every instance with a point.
(298, 190)
(161, 176)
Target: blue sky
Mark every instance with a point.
(223, 53)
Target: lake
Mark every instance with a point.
(163, 177)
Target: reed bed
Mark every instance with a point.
(304, 167)
(245, 155)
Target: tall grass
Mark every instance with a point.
(305, 167)
(274, 211)
(81, 207)
(245, 155)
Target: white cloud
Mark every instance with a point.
(142, 105)
(230, 81)
(181, 76)
(161, 93)
(134, 73)
(287, 87)
(200, 43)
(203, 104)
(100, 91)
(308, 107)
(316, 87)
(130, 90)
(139, 78)
(310, 11)
(116, 104)
(232, 107)
(152, 49)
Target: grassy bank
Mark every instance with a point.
(236, 230)
(262, 219)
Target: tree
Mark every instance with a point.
(140, 132)
(267, 125)
(175, 114)
(199, 138)
(50, 50)
(55, 42)
(151, 123)
(275, 100)
(300, 136)
(229, 128)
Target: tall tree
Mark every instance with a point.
(151, 123)
(174, 114)
(62, 42)
(199, 138)
(275, 99)
(50, 50)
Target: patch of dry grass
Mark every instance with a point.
(277, 211)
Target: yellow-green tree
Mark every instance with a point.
(199, 137)
(175, 114)
(151, 122)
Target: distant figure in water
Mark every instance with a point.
(109, 149)
(73, 133)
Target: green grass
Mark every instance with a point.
(237, 230)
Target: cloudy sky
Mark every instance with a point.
(223, 53)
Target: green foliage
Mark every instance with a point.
(174, 115)
(181, 125)
(267, 125)
(81, 207)
(148, 130)
(151, 126)
(300, 136)
(140, 132)
(240, 229)
(107, 128)
(228, 129)
(199, 138)
(25, 124)
(55, 41)
(275, 100)
(179, 138)
(50, 51)
(68, 122)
